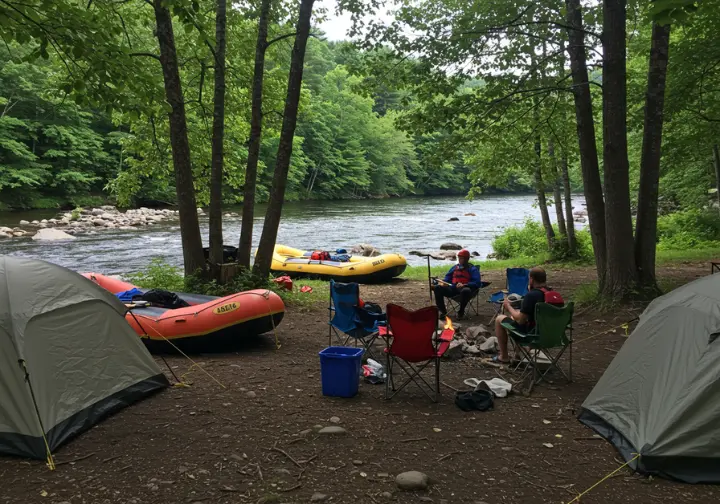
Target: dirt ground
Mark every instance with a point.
(253, 441)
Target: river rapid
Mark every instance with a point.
(391, 225)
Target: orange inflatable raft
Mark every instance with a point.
(209, 324)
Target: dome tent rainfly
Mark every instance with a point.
(659, 400)
(67, 357)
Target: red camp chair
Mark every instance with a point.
(415, 343)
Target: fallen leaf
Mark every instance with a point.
(547, 422)
(548, 445)
(534, 405)
(43, 493)
(364, 475)
(437, 429)
(558, 436)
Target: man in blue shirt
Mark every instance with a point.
(463, 279)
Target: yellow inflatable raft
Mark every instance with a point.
(297, 263)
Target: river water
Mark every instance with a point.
(391, 225)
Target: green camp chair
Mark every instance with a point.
(552, 335)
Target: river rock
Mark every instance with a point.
(332, 430)
(444, 255)
(418, 253)
(97, 212)
(318, 497)
(35, 222)
(412, 480)
(156, 218)
(450, 246)
(44, 221)
(365, 250)
(98, 222)
(4, 229)
(470, 214)
(453, 219)
(18, 234)
(200, 211)
(455, 350)
(106, 216)
(475, 254)
(52, 234)
(3, 234)
(24, 223)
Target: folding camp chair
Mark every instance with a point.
(453, 303)
(348, 321)
(415, 343)
(551, 336)
(516, 282)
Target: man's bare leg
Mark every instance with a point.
(502, 338)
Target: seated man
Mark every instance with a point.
(524, 318)
(462, 279)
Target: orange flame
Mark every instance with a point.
(448, 324)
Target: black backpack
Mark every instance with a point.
(164, 299)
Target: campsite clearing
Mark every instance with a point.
(256, 441)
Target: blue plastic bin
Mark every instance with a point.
(340, 371)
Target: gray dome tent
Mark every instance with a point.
(660, 396)
(67, 357)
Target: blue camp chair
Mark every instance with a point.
(348, 321)
(517, 280)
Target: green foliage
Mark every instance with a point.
(529, 240)
(159, 275)
(690, 229)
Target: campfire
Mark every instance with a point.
(448, 330)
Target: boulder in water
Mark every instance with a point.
(450, 246)
(365, 250)
(24, 223)
(52, 234)
(453, 219)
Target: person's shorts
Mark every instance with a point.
(521, 328)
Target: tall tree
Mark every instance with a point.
(194, 259)
(557, 189)
(246, 231)
(287, 133)
(621, 273)
(586, 135)
(646, 224)
(218, 137)
(572, 241)
(716, 163)
(540, 191)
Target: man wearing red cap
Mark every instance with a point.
(462, 279)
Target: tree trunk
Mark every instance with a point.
(542, 201)
(572, 242)
(189, 227)
(282, 162)
(246, 231)
(586, 136)
(557, 191)
(621, 274)
(218, 134)
(646, 224)
(716, 162)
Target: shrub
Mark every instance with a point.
(689, 229)
(529, 240)
(159, 275)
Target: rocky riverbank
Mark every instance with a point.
(89, 221)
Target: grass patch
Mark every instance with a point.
(305, 300)
(702, 254)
